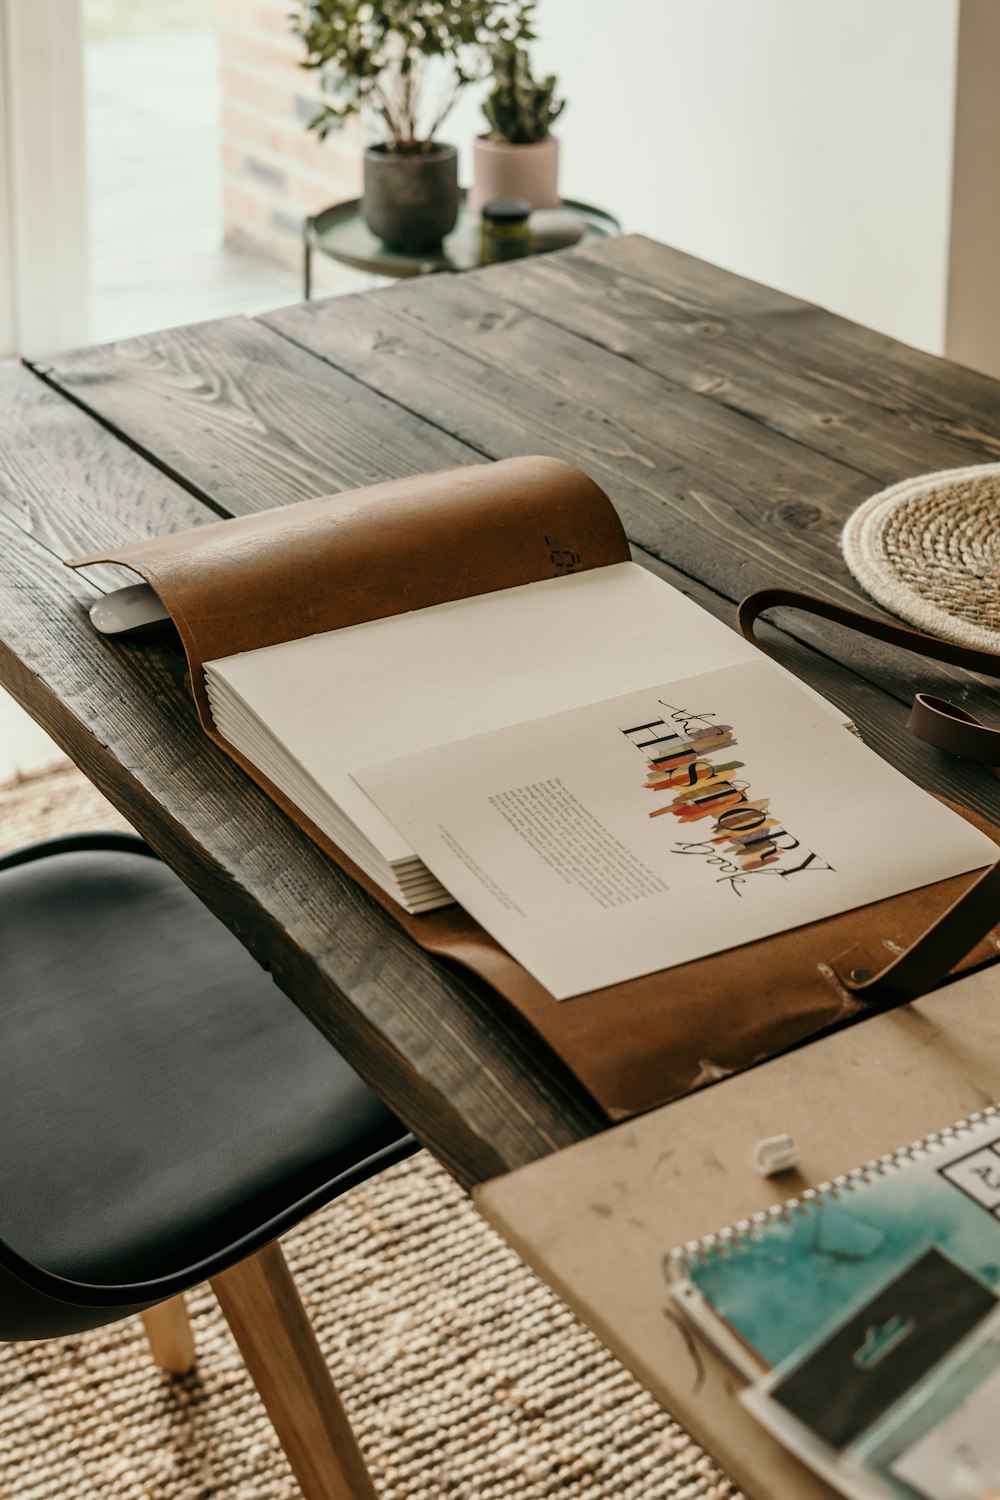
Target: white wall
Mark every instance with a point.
(804, 143)
(43, 250)
(6, 227)
(973, 329)
(43, 196)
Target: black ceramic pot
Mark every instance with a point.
(411, 200)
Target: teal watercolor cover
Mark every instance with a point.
(787, 1286)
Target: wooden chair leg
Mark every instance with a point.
(269, 1323)
(171, 1341)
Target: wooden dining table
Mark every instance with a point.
(733, 426)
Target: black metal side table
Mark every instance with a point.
(341, 234)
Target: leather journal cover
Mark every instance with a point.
(338, 560)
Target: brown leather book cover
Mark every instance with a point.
(337, 560)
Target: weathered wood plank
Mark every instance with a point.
(958, 403)
(714, 494)
(477, 401)
(700, 279)
(246, 421)
(466, 1075)
(40, 447)
(716, 353)
(135, 500)
(243, 418)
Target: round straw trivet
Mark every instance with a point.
(928, 549)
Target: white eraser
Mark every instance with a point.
(777, 1153)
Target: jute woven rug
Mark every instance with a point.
(463, 1375)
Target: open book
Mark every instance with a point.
(312, 712)
(600, 818)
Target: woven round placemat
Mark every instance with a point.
(928, 549)
(465, 1378)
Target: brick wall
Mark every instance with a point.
(274, 172)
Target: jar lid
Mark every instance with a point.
(507, 211)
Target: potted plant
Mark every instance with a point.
(406, 61)
(519, 158)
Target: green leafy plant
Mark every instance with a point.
(407, 60)
(520, 108)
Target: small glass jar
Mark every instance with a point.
(506, 231)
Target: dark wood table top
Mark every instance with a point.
(734, 427)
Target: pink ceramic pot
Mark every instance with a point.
(501, 170)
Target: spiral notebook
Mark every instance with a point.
(865, 1316)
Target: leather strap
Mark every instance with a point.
(928, 961)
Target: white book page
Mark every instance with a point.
(659, 826)
(348, 698)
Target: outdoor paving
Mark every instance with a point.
(153, 155)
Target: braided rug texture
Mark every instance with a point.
(464, 1376)
(928, 549)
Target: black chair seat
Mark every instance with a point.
(164, 1109)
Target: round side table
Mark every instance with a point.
(341, 234)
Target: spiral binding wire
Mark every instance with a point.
(739, 1236)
